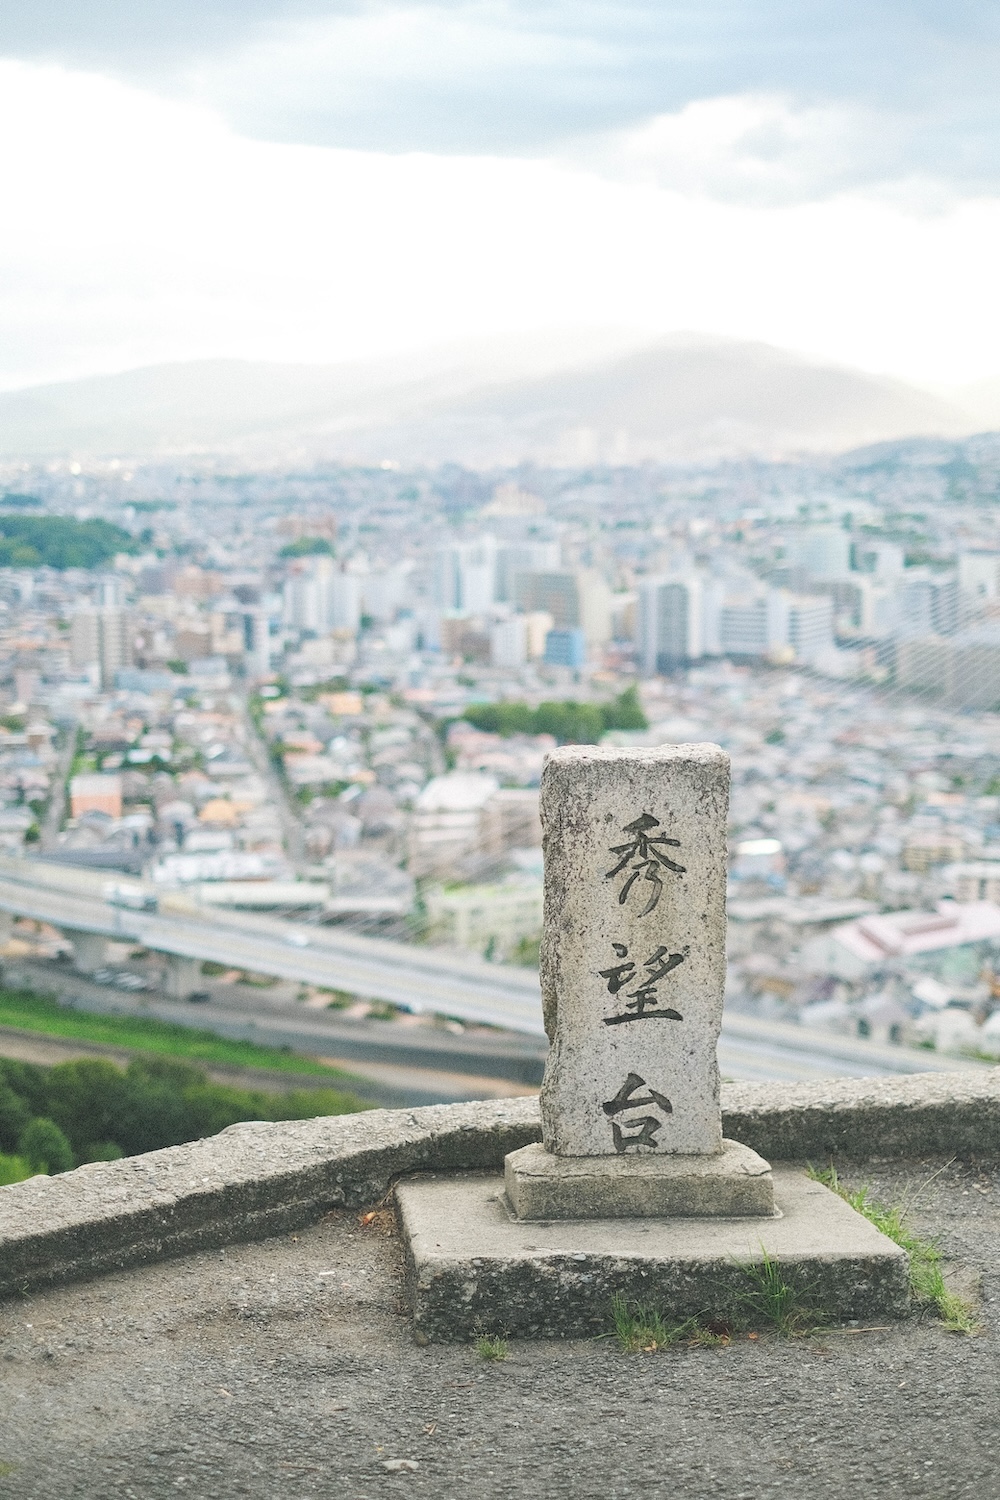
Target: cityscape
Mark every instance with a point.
(326, 697)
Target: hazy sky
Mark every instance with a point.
(295, 179)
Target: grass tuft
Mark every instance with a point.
(491, 1348)
(769, 1298)
(641, 1328)
(927, 1284)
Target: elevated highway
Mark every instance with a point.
(418, 979)
(421, 979)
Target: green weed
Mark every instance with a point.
(491, 1348)
(641, 1328)
(769, 1298)
(927, 1284)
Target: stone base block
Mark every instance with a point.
(472, 1268)
(735, 1184)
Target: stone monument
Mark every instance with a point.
(633, 1188)
(633, 970)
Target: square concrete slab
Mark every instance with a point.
(473, 1268)
(735, 1183)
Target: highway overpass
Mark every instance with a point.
(419, 979)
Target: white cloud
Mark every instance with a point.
(763, 149)
(138, 230)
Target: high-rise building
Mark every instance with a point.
(525, 557)
(566, 648)
(579, 599)
(465, 576)
(745, 626)
(509, 642)
(320, 597)
(810, 626)
(929, 603)
(747, 620)
(102, 636)
(553, 590)
(669, 629)
(385, 591)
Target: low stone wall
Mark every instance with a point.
(258, 1179)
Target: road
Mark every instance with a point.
(421, 979)
(417, 979)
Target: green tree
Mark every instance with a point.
(93, 1110)
(102, 1151)
(45, 1146)
(14, 1115)
(13, 1169)
(307, 546)
(502, 718)
(625, 711)
(28, 1081)
(59, 542)
(569, 722)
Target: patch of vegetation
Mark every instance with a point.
(42, 1013)
(13, 1169)
(45, 1147)
(764, 1300)
(307, 546)
(381, 1010)
(769, 1299)
(927, 1284)
(571, 723)
(92, 1110)
(526, 952)
(60, 542)
(641, 1328)
(491, 1348)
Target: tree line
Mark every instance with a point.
(60, 542)
(54, 1119)
(571, 723)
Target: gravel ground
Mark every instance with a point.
(287, 1369)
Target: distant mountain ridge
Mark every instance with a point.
(680, 399)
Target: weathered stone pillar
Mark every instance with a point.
(633, 970)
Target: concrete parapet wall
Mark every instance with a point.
(257, 1179)
(919, 1114)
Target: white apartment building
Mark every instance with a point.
(465, 576)
(809, 629)
(509, 642)
(320, 597)
(979, 575)
(824, 551)
(525, 557)
(102, 637)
